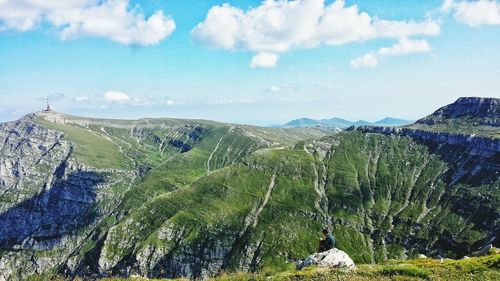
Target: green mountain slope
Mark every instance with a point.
(386, 197)
(66, 180)
(193, 198)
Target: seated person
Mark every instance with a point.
(327, 243)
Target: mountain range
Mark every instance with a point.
(93, 198)
(343, 123)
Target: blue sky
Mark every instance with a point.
(268, 62)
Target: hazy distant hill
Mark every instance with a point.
(389, 121)
(343, 123)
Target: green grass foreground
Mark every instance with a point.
(478, 268)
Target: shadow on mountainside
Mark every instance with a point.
(41, 221)
(472, 178)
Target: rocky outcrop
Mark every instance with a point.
(46, 198)
(27, 152)
(471, 141)
(333, 258)
(471, 122)
(478, 111)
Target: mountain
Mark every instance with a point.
(389, 121)
(467, 120)
(336, 122)
(303, 122)
(193, 198)
(343, 123)
(471, 115)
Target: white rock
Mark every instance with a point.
(331, 258)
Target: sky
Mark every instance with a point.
(253, 62)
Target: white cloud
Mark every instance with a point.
(169, 102)
(264, 60)
(84, 99)
(116, 97)
(474, 13)
(275, 89)
(226, 101)
(141, 101)
(278, 26)
(220, 102)
(366, 61)
(280, 88)
(112, 19)
(122, 98)
(404, 46)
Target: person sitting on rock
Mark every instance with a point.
(327, 243)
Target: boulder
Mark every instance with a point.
(483, 251)
(334, 258)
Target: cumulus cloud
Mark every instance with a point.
(116, 97)
(404, 46)
(264, 60)
(474, 13)
(112, 19)
(278, 26)
(366, 61)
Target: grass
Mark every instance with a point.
(405, 270)
(460, 128)
(362, 195)
(376, 186)
(478, 268)
(89, 148)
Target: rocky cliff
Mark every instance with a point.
(192, 198)
(471, 122)
(479, 143)
(473, 110)
(66, 180)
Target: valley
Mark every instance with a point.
(171, 198)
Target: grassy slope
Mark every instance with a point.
(371, 180)
(376, 186)
(91, 148)
(480, 268)
(460, 128)
(125, 144)
(477, 268)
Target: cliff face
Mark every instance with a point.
(478, 111)
(471, 122)
(480, 143)
(386, 197)
(65, 180)
(50, 201)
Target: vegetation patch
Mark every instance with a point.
(406, 270)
